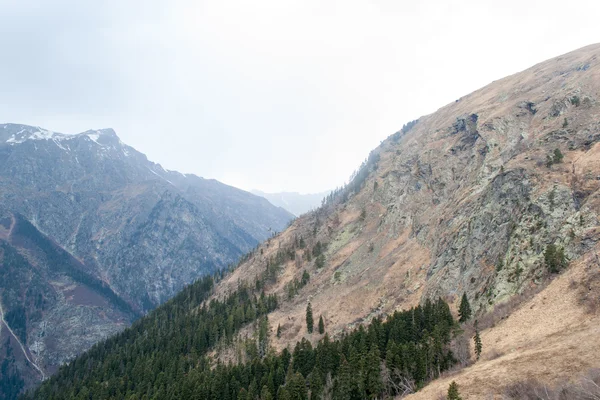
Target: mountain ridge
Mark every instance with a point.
(122, 230)
(466, 199)
(467, 202)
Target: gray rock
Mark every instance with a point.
(136, 229)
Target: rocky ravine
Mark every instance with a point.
(93, 235)
(462, 200)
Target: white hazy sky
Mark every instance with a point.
(274, 95)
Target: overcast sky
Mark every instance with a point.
(274, 95)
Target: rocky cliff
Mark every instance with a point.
(94, 235)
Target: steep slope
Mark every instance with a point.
(469, 199)
(296, 203)
(133, 233)
(550, 338)
(51, 308)
(123, 216)
(462, 200)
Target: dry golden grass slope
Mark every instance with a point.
(549, 338)
(465, 189)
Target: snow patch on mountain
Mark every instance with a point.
(37, 133)
(94, 137)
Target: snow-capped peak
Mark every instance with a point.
(41, 134)
(22, 133)
(30, 133)
(104, 140)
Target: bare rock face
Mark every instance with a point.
(92, 218)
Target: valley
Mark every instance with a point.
(494, 198)
(93, 236)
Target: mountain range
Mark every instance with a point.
(462, 256)
(94, 235)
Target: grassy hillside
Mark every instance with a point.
(494, 198)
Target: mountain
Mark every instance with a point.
(95, 235)
(463, 200)
(296, 203)
(494, 198)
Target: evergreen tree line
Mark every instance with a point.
(357, 180)
(154, 355)
(164, 356)
(405, 129)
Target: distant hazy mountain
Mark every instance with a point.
(293, 202)
(92, 234)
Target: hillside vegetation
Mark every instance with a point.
(462, 200)
(493, 198)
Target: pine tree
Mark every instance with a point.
(453, 392)
(554, 258)
(263, 336)
(343, 385)
(316, 383)
(321, 325)
(317, 249)
(296, 387)
(320, 261)
(373, 382)
(265, 394)
(363, 214)
(464, 311)
(305, 278)
(309, 318)
(477, 339)
(278, 330)
(558, 156)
